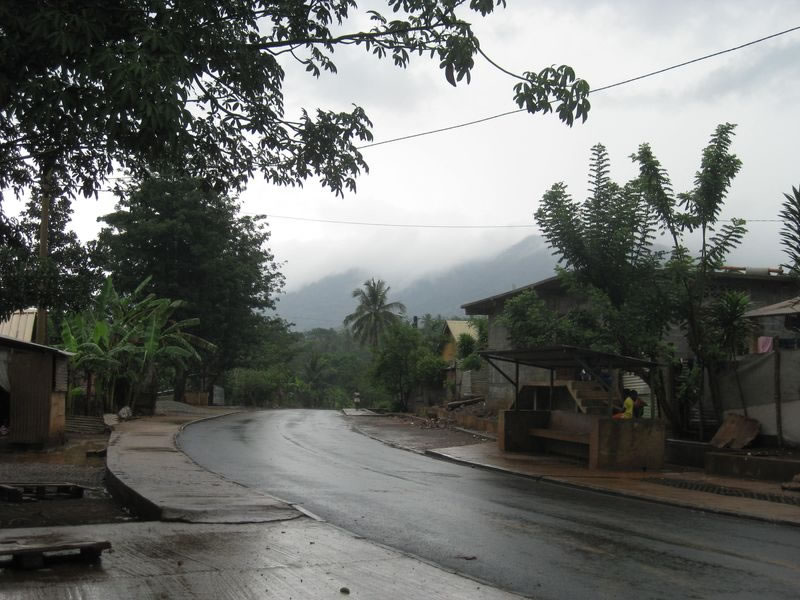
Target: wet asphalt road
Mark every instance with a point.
(538, 539)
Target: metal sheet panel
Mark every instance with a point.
(31, 377)
(60, 373)
(19, 325)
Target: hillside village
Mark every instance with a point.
(603, 403)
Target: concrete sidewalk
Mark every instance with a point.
(636, 484)
(223, 541)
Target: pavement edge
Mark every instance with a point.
(612, 492)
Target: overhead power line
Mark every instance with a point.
(437, 226)
(594, 91)
(400, 225)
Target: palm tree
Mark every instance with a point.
(374, 314)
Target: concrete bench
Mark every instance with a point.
(563, 435)
(603, 442)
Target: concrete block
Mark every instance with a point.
(627, 444)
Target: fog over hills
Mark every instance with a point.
(325, 303)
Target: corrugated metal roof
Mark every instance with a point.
(458, 327)
(19, 325)
(787, 307)
(10, 342)
(562, 355)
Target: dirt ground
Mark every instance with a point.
(413, 433)
(68, 464)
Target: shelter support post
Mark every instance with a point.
(778, 415)
(506, 377)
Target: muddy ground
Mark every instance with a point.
(69, 464)
(413, 433)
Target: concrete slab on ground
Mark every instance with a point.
(150, 474)
(359, 412)
(635, 484)
(302, 559)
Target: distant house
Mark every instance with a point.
(764, 286)
(454, 330)
(33, 387)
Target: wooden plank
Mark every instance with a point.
(39, 490)
(736, 432)
(22, 546)
(29, 553)
(9, 493)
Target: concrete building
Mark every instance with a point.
(764, 286)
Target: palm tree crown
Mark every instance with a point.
(374, 314)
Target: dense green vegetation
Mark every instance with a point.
(186, 100)
(634, 292)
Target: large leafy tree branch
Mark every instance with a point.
(92, 87)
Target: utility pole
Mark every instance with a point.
(47, 191)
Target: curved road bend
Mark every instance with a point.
(534, 538)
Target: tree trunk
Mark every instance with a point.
(44, 227)
(146, 399)
(179, 386)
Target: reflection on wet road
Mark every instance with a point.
(531, 537)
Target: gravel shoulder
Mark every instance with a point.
(413, 433)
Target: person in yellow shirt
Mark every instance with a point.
(627, 406)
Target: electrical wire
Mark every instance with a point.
(435, 226)
(594, 91)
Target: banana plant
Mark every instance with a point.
(130, 339)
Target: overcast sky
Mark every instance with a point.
(495, 173)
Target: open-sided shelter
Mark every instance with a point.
(591, 435)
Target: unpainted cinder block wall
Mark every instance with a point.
(628, 444)
(513, 427)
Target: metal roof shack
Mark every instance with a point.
(33, 388)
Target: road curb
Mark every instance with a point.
(149, 510)
(611, 492)
(132, 500)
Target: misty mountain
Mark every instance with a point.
(326, 302)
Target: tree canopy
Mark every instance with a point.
(62, 281)
(137, 85)
(634, 293)
(193, 244)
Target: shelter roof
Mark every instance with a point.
(19, 325)
(562, 356)
(787, 307)
(457, 328)
(10, 342)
